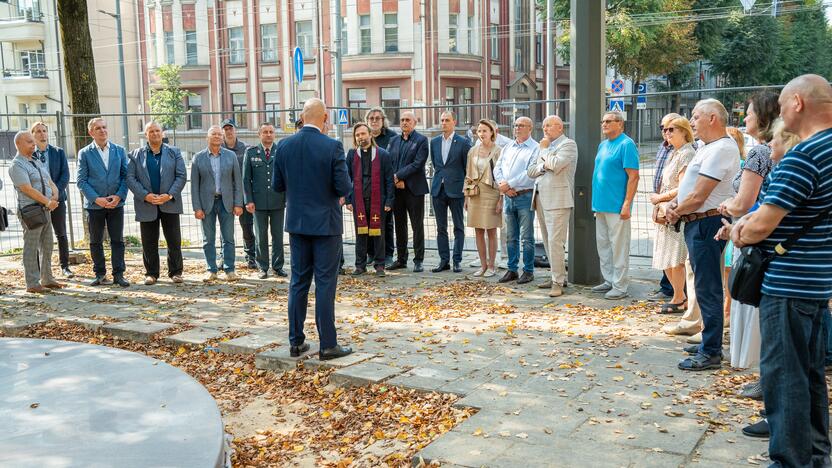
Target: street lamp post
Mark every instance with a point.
(124, 122)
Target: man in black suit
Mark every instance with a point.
(448, 156)
(311, 169)
(409, 153)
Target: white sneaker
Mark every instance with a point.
(478, 273)
(489, 273)
(602, 288)
(149, 281)
(615, 294)
(230, 276)
(210, 276)
(475, 264)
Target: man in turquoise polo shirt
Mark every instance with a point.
(614, 184)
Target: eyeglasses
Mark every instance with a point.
(668, 129)
(608, 121)
(376, 117)
(520, 125)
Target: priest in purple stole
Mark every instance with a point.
(371, 198)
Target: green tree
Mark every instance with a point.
(167, 103)
(805, 41)
(750, 46)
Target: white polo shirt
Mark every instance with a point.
(718, 160)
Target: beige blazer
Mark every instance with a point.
(554, 174)
(472, 173)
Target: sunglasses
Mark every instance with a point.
(668, 129)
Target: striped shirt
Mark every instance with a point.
(802, 185)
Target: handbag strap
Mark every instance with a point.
(42, 183)
(783, 247)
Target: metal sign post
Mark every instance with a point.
(297, 66)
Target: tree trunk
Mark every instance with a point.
(79, 67)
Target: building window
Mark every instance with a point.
(236, 47)
(453, 47)
(268, 42)
(449, 96)
(32, 63)
(521, 41)
(194, 112)
(471, 46)
(391, 33)
(364, 31)
(41, 108)
(495, 42)
(466, 97)
(357, 102)
(538, 47)
(170, 58)
(495, 95)
(303, 33)
(238, 106)
(271, 104)
(345, 47)
(391, 100)
(190, 48)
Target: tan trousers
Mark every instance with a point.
(692, 319)
(554, 226)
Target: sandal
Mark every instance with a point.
(671, 308)
(700, 362)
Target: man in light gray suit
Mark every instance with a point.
(217, 193)
(156, 175)
(554, 174)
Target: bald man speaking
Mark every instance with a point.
(311, 169)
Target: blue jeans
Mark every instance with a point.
(209, 233)
(706, 260)
(794, 385)
(519, 218)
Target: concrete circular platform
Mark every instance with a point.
(65, 404)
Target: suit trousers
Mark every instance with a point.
(441, 204)
(37, 254)
(150, 244)
(612, 237)
(554, 225)
(265, 221)
(247, 226)
(113, 221)
(58, 216)
(410, 206)
(364, 242)
(318, 257)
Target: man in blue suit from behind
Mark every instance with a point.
(102, 179)
(311, 169)
(449, 157)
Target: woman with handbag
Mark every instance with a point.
(483, 201)
(36, 197)
(670, 250)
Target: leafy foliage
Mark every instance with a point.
(167, 103)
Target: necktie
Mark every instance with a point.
(267, 154)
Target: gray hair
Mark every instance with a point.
(92, 122)
(151, 123)
(713, 107)
(212, 128)
(384, 122)
(448, 113)
(619, 117)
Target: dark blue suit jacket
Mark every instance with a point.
(409, 159)
(311, 168)
(387, 192)
(452, 172)
(58, 169)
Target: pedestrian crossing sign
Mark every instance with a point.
(342, 117)
(617, 105)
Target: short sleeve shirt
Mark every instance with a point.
(802, 185)
(759, 162)
(609, 179)
(718, 160)
(29, 172)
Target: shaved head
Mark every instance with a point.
(814, 89)
(313, 110)
(806, 105)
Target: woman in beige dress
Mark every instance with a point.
(670, 251)
(484, 208)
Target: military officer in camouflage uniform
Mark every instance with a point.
(266, 205)
(231, 142)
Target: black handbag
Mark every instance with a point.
(34, 216)
(4, 219)
(745, 283)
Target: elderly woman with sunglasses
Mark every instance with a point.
(670, 251)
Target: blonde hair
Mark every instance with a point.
(738, 137)
(491, 126)
(789, 139)
(36, 124)
(682, 124)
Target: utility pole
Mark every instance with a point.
(337, 54)
(550, 60)
(124, 122)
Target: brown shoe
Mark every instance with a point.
(546, 284)
(37, 290)
(54, 285)
(556, 291)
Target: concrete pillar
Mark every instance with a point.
(587, 54)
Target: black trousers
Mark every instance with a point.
(387, 232)
(113, 221)
(365, 242)
(59, 226)
(410, 206)
(150, 244)
(247, 225)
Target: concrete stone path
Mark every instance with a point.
(575, 381)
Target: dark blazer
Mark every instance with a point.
(311, 168)
(387, 191)
(409, 163)
(95, 181)
(257, 179)
(58, 169)
(172, 180)
(452, 172)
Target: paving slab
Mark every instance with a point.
(194, 336)
(88, 323)
(138, 330)
(278, 359)
(428, 379)
(14, 325)
(249, 344)
(674, 435)
(489, 397)
(314, 363)
(577, 453)
(467, 450)
(730, 446)
(363, 374)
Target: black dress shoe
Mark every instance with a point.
(759, 430)
(359, 271)
(417, 267)
(251, 265)
(508, 277)
(442, 267)
(67, 272)
(457, 267)
(296, 351)
(119, 280)
(526, 277)
(380, 272)
(98, 281)
(280, 272)
(334, 352)
(397, 265)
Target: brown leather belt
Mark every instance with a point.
(696, 216)
(521, 192)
